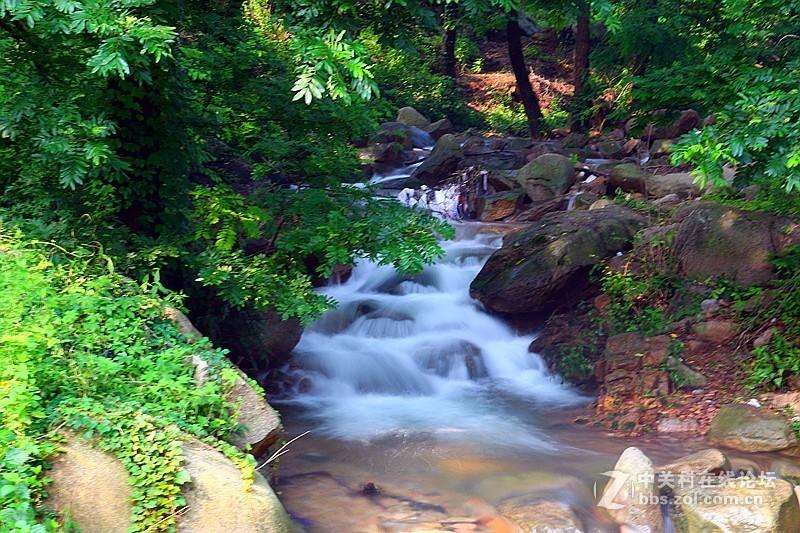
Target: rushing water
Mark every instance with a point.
(410, 385)
(409, 354)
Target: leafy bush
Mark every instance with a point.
(85, 348)
(633, 303)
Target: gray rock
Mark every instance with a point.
(411, 117)
(535, 268)
(442, 161)
(547, 176)
(751, 429)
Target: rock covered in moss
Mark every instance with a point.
(537, 268)
(714, 240)
(751, 429)
(547, 176)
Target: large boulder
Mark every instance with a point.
(630, 498)
(411, 117)
(545, 515)
(217, 498)
(257, 339)
(442, 161)
(260, 423)
(538, 267)
(751, 429)
(83, 476)
(714, 240)
(547, 176)
(734, 505)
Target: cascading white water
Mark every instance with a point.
(417, 355)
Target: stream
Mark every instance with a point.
(421, 412)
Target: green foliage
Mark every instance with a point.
(86, 348)
(634, 302)
(505, 117)
(773, 363)
(406, 79)
(574, 365)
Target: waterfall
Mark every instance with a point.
(415, 354)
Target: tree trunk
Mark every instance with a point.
(524, 89)
(449, 40)
(581, 66)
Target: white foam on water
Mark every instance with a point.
(416, 354)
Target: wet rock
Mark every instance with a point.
(499, 206)
(442, 161)
(751, 429)
(732, 507)
(439, 128)
(624, 501)
(715, 240)
(388, 153)
(420, 138)
(411, 117)
(460, 358)
(547, 176)
(535, 268)
(686, 122)
(494, 161)
(710, 461)
(717, 331)
(542, 516)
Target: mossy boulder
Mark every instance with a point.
(751, 429)
(714, 240)
(540, 267)
(547, 176)
(628, 177)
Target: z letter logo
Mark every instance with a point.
(616, 484)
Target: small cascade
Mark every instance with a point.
(415, 354)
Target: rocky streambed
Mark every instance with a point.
(443, 401)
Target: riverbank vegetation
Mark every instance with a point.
(151, 151)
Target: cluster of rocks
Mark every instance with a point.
(700, 492)
(516, 179)
(217, 498)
